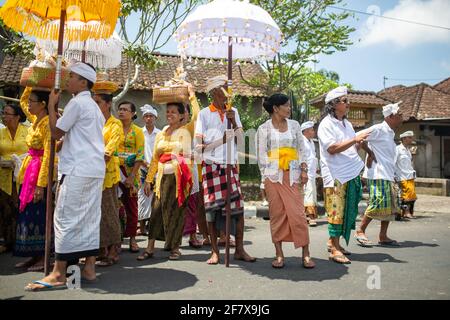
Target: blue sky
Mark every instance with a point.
(388, 48)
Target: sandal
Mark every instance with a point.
(312, 223)
(107, 262)
(146, 255)
(363, 241)
(36, 268)
(278, 263)
(134, 248)
(345, 252)
(224, 243)
(195, 244)
(175, 255)
(308, 263)
(392, 243)
(340, 258)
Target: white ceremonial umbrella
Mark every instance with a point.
(227, 29)
(101, 53)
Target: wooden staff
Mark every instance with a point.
(9, 99)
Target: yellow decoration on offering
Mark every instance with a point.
(283, 155)
(105, 87)
(96, 18)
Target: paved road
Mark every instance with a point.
(419, 269)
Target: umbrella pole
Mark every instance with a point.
(228, 170)
(51, 162)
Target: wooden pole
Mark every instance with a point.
(228, 170)
(51, 163)
(9, 99)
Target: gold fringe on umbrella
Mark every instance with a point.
(40, 19)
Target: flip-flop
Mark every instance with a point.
(280, 264)
(34, 268)
(308, 265)
(338, 257)
(175, 256)
(363, 241)
(46, 286)
(312, 223)
(345, 252)
(146, 255)
(390, 243)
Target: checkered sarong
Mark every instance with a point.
(214, 182)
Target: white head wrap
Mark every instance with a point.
(307, 125)
(336, 93)
(216, 82)
(390, 109)
(146, 108)
(84, 70)
(407, 134)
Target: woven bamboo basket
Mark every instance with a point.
(42, 77)
(163, 95)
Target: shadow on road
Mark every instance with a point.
(293, 270)
(140, 281)
(374, 257)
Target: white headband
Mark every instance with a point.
(306, 125)
(391, 109)
(84, 70)
(336, 93)
(407, 134)
(215, 82)
(146, 109)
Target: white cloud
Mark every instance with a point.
(378, 30)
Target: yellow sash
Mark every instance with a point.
(283, 155)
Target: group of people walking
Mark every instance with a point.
(114, 176)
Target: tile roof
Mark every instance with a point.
(11, 68)
(356, 97)
(420, 102)
(443, 86)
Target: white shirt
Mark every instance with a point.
(268, 138)
(403, 164)
(211, 128)
(381, 142)
(82, 153)
(149, 143)
(311, 158)
(343, 166)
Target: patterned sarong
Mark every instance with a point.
(341, 205)
(214, 182)
(382, 200)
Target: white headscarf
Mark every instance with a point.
(148, 109)
(407, 134)
(216, 82)
(390, 109)
(83, 70)
(336, 93)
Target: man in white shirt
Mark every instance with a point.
(406, 175)
(149, 115)
(82, 168)
(212, 140)
(341, 166)
(310, 200)
(379, 173)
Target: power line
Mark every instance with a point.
(415, 79)
(390, 18)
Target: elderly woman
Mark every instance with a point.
(173, 183)
(30, 241)
(132, 157)
(12, 142)
(109, 223)
(341, 167)
(282, 161)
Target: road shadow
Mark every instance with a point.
(410, 244)
(139, 280)
(374, 257)
(294, 271)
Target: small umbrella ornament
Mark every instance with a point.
(227, 29)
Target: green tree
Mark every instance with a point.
(157, 21)
(309, 29)
(13, 43)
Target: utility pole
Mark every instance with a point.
(384, 82)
